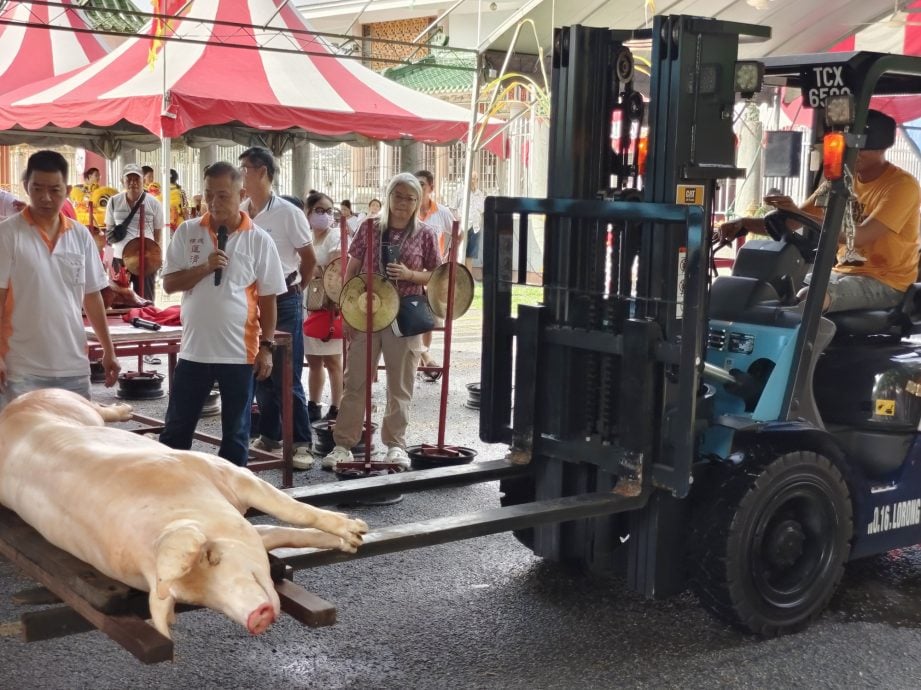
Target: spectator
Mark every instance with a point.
(288, 228)
(474, 217)
(324, 355)
(418, 257)
(150, 211)
(223, 316)
(52, 265)
(151, 186)
(441, 219)
(82, 194)
(351, 220)
(374, 208)
(178, 202)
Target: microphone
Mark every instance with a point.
(145, 324)
(221, 244)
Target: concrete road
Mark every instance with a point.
(485, 613)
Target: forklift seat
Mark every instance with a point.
(750, 300)
(898, 322)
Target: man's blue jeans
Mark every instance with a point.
(192, 381)
(290, 319)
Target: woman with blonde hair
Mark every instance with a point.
(414, 256)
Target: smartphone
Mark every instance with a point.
(391, 253)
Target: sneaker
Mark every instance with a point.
(331, 413)
(152, 359)
(314, 411)
(303, 459)
(337, 455)
(397, 456)
(264, 444)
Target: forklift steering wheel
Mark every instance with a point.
(775, 223)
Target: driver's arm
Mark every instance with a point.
(867, 233)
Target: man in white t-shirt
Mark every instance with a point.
(150, 213)
(49, 273)
(228, 314)
(475, 210)
(287, 226)
(9, 205)
(441, 219)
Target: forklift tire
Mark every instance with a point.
(769, 543)
(515, 492)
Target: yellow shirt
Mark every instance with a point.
(893, 199)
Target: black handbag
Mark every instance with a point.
(120, 231)
(414, 317)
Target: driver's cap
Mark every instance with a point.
(880, 131)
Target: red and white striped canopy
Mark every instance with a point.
(220, 74)
(30, 53)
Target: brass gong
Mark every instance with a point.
(153, 257)
(437, 291)
(353, 303)
(332, 279)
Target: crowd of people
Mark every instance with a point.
(242, 257)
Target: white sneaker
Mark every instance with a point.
(302, 459)
(265, 444)
(337, 455)
(397, 456)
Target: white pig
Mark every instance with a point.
(169, 522)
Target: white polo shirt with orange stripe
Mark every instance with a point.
(220, 323)
(440, 218)
(43, 333)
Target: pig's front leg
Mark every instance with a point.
(257, 493)
(162, 612)
(274, 537)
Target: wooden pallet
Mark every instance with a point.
(92, 600)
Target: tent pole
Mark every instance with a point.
(468, 162)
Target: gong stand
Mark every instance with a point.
(441, 450)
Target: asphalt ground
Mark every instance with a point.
(486, 613)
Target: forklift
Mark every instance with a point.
(754, 445)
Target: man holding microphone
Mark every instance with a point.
(228, 314)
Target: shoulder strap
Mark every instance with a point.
(134, 209)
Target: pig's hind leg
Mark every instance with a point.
(253, 492)
(117, 412)
(274, 537)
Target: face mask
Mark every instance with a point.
(320, 221)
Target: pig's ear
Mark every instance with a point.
(178, 549)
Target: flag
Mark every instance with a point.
(160, 26)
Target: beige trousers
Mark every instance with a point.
(401, 358)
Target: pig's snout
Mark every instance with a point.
(261, 619)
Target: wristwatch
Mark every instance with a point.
(270, 344)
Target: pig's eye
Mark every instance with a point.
(214, 556)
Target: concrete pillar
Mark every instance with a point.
(412, 157)
(301, 176)
(384, 174)
(207, 155)
(748, 191)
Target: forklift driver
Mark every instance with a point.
(886, 218)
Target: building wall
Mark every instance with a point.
(400, 30)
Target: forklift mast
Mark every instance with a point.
(597, 387)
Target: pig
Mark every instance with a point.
(169, 522)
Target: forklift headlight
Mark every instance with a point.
(839, 110)
(749, 77)
(833, 149)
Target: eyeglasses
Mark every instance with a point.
(327, 211)
(402, 198)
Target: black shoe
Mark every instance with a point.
(332, 412)
(314, 411)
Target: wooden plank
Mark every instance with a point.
(76, 584)
(305, 606)
(101, 592)
(454, 528)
